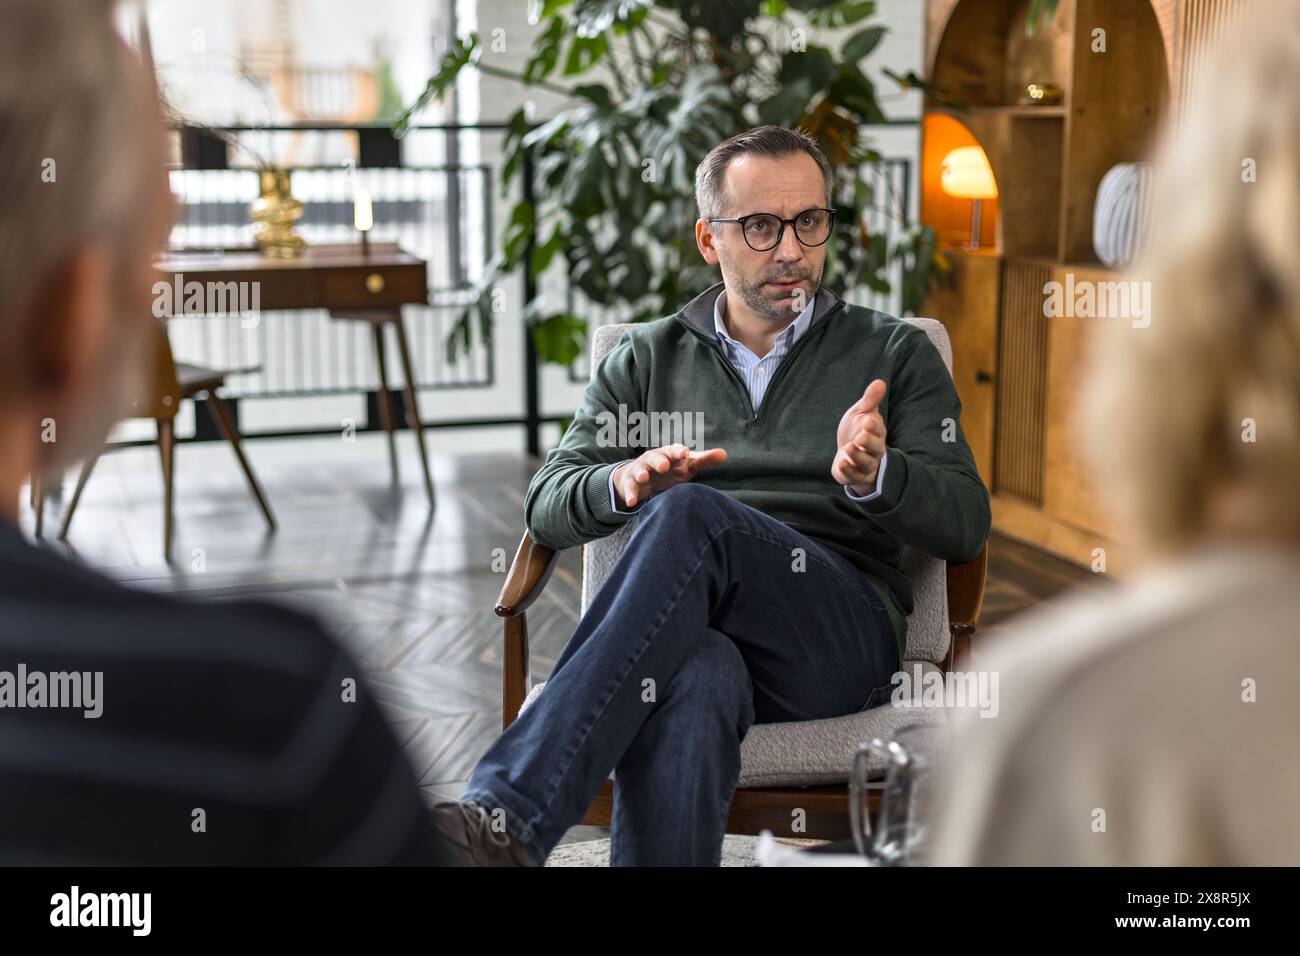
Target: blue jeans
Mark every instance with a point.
(710, 621)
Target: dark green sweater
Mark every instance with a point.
(779, 457)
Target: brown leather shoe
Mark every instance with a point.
(469, 840)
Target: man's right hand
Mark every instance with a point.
(660, 468)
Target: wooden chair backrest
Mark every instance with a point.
(162, 390)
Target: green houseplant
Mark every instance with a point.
(613, 172)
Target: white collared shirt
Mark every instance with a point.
(757, 372)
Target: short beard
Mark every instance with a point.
(753, 295)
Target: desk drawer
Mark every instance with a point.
(375, 288)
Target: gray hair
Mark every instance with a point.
(71, 103)
(774, 141)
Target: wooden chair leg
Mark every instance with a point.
(514, 669)
(87, 467)
(167, 451)
(385, 398)
(960, 648)
(38, 502)
(226, 424)
(412, 409)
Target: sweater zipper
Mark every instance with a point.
(785, 362)
(731, 369)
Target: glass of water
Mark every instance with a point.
(898, 835)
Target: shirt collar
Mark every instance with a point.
(790, 332)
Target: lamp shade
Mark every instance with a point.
(965, 173)
(363, 216)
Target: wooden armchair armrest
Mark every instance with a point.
(528, 574)
(966, 581)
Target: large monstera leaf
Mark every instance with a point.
(591, 18)
(693, 122)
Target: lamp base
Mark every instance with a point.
(974, 243)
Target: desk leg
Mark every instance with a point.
(385, 409)
(412, 409)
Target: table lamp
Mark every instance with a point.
(965, 173)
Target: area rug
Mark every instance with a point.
(736, 851)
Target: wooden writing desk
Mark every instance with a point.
(348, 283)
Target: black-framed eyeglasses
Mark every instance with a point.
(764, 231)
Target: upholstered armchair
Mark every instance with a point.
(785, 766)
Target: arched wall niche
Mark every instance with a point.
(1048, 160)
(949, 215)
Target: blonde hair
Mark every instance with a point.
(73, 109)
(1167, 409)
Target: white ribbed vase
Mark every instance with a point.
(1121, 214)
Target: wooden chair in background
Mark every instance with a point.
(171, 383)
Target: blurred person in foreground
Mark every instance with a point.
(1158, 724)
(218, 733)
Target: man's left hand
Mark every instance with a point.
(861, 440)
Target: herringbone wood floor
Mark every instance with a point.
(411, 593)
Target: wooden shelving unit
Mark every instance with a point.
(1017, 369)
(1019, 112)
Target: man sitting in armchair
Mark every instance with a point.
(762, 582)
